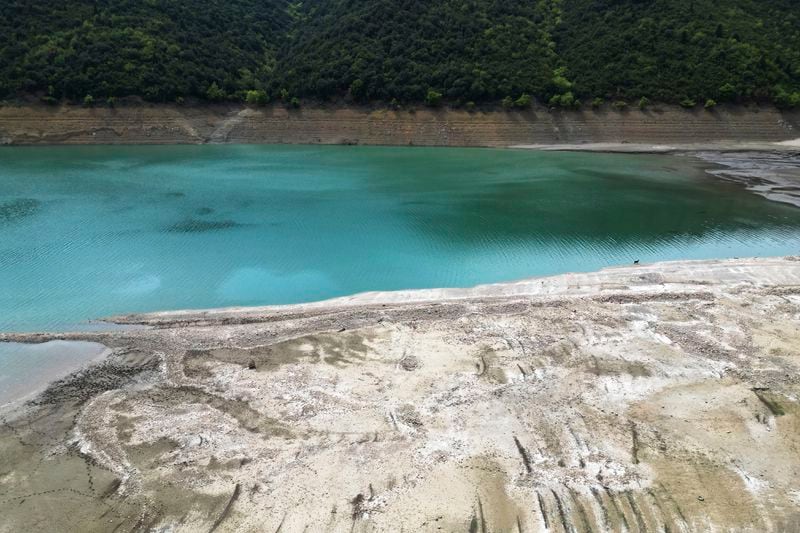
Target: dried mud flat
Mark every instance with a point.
(651, 398)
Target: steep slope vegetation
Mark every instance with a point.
(671, 50)
(449, 51)
(466, 49)
(157, 49)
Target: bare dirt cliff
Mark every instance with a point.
(168, 124)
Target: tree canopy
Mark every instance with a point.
(458, 52)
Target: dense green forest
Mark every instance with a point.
(564, 53)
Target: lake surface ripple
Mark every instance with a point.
(87, 232)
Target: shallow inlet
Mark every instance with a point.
(26, 369)
(87, 232)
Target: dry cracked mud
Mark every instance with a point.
(651, 398)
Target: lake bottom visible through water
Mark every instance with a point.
(88, 232)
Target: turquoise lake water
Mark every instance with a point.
(86, 232)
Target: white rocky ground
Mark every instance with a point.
(647, 398)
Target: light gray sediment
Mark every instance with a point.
(650, 397)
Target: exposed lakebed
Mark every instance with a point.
(86, 232)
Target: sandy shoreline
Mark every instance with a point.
(603, 400)
(574, 284)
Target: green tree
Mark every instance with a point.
(88, 100)
(710, 104)
(568, 100)
(785, 99)
(433, 98)
(727, 92)
(644, 102)
(214, 93)
(358, 90)
(523, 102)
(560, 80)
(256, 97)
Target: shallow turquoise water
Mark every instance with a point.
(86, 232)
(26, 369)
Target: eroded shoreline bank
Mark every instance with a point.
(172, 124)
(601, 400)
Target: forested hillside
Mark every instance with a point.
(564, 53)
(157, 49)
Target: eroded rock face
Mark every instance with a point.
(672, 406)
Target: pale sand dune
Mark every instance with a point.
(656, 397)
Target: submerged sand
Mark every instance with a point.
(769, 169)
(648, 398)
(26, 369)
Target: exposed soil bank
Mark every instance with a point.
(647, 398)
(166, 124)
